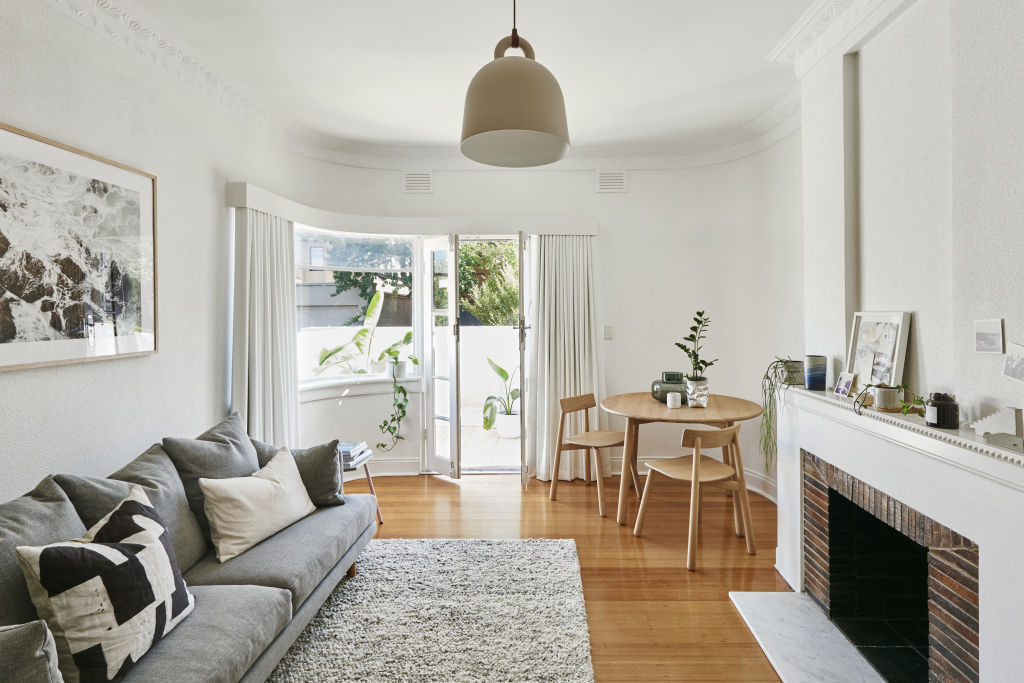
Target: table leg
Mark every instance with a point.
(737, 521)
(628, 458)
(369, 480)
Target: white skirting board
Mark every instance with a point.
(800, 641)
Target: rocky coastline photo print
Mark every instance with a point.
(76, 256)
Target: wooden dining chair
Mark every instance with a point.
(701, 471)
(586, 441)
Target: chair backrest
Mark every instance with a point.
(710, 438)
(574, 403)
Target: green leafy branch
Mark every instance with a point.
(698, 332)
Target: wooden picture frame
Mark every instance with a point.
(78, 272)
(878, 347)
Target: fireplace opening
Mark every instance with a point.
(878, 590)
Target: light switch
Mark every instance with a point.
(608, 331)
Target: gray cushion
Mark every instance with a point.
(220, 452)
(42, 516)
(94, 498)
(28, 654)
(296, 558)
(319, 467)
(226, 632)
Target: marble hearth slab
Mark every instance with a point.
(800, 641)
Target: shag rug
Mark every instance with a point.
(450, 610)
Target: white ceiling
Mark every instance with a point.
(659, 74)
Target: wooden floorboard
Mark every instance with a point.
(650, 619)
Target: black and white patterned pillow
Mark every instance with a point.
(110, 595)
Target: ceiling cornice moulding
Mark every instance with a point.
(847, 31)
(814, 22)
(122, 24)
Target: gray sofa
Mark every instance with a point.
(248, 610)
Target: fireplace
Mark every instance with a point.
(902, 587)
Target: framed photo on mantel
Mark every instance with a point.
(878, 347)
(77, 255)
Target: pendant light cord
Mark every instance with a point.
(515, 33)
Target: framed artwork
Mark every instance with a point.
(878, 347)
(844, 384)
(77, 255)
(988, 336)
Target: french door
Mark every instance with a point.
(441, 362)
(524, 472)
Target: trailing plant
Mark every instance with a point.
(914, 406)
(505, 402)
(391, 428)
(775, 379)
(698, 332)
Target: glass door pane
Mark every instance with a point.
(442, 358)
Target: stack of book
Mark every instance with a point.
(351, 451)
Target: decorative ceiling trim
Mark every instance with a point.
(835, 26)
(118, 22)
(815, 21)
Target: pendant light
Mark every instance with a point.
(515, 112)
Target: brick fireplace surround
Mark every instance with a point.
(952, 565)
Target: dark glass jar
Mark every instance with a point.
(942, 411)
(660, 389)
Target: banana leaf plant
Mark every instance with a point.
(354, 355)
(504, 403)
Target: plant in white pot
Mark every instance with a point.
(499, 411)
(697, 390)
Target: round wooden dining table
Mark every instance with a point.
(642, 408)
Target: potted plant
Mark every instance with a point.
(781, 373)
(354, 355)
(391, 428)
(500, 410)
(697, 390)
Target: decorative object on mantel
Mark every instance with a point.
(942, 411)
(671, 381)
(77, 255)
(961, 438)
(781, 374)
(515, 112)
(1004, 429)
(697, 390)
(814, 372)
(988, 336)
(878, 347)
(887, 399)
(1013, 366)
(844, 384)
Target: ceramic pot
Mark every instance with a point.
(887, 398)
(507, 425)
(794, 373)
(697, 392)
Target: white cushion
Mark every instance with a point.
(245, 510)
(110, 595)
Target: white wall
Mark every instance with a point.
(723, 238)
(905, 182)
(940, 167)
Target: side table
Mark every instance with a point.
(363, 460)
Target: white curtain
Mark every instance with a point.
(264, 377)
(565, 353)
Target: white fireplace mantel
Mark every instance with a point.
(968, 485)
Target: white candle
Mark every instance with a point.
(674, 399)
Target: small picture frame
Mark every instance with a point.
(878, 347)
(1013, 366)
(988, 336)
(845, 384)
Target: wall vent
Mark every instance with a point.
(612, 181)
(417, 183)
